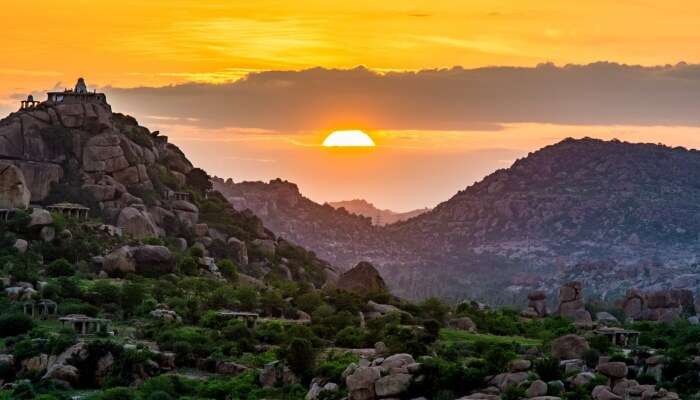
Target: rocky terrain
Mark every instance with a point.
(128, 273)
(135, 181)
(379, 217)
(336, 235)
(583, 208)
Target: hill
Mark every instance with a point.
(563, 211)
(378, 216)
(73, 151)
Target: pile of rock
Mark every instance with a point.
(571, 304)
(537, 305)
(20, 291)
(388, 377)
(145, 259)
(662, 305)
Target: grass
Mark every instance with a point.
(454, 336)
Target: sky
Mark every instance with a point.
(449, 90)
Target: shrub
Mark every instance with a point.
(60, 267)
(334, 364)
(117, 393)
(548, 369)
(228, 270)
(187, 265)
(301, 357)
(350, 336)
(15, 324)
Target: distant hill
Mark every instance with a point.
(378, 216)
(579, 208)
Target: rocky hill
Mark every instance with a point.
(73, 151)
(336, 235)
(378, 216)
(552, 215)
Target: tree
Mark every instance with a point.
(198, 179)
(301, 357)
(15, 324)
(60, 267)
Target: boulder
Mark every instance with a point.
(463, 324)
(613, 369)
(47, 234)
(583, 379)
(186, 212)
(601, 392)
(21, 245)
(40, 217)
(239, 251)
(605, 318)
(569, 347)
(520, 365)
(65, 373)
(266, 246)
(537, 388)
(230, 368)
(361, 383)
(153, 259)
(362, 279)
(136, 223)
(14, 192)
(382, 308)
(392, 385)
(119, 261)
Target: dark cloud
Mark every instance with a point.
(457, 98)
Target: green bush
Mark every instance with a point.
(351, 337)
(548, 369)
(117, 393)
(228, 270)
(60, 267)
(187, 265)
(301, 357)
(333, 365)
(15, 324)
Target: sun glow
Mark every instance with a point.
(352, 138)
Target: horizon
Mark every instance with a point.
(449, 92)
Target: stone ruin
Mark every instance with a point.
(571, 304)
(537, 305)
(661, 305)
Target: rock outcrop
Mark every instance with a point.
(14, 192)
(660, 305)
(362, 279)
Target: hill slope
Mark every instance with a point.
(566, 209)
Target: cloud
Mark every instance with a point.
(443, 99)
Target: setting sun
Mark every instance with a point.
(353, 138)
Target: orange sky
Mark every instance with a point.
(129, 43)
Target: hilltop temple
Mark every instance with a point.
(80, 94)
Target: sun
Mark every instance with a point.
(351, 138)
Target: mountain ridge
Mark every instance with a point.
(379, 216)
(578, 202)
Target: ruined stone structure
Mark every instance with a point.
(29, 103)
(71, 210)
(85, 325)
(43, 309)
(619, 337)
(249, 318)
